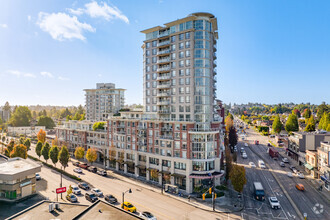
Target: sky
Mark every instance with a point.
(273, 51)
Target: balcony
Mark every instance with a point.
(163, 94)
(166, 137)
(162, 52)
(163, 111)
(166, 129)
(204, 130)
(164, 60)
(121, 126)
(214, 63)
(165, 77)
(164, 86)
(214, 48)
(164, 43)
(163, 69)
(164, 34)
(163, 102)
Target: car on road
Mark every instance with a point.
(75, 190)
(300, 187)
(90, 197)
(97, 192)
(110, 199)
(244, 155)
(285, 160)
(77, 170)
(83, 185)
(235, 149)
(72, 198)
(282, 164)
(38, 177)
(92, 169)
(102, 172)
(261, 164)
(289, 174)
(147, 216)
(301, 176)
(76, 164)
(83, 165)
(246, 145)
(252, 164)
(128, 207)
(293, 169)
(274, 203)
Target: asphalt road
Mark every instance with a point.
(310, 201)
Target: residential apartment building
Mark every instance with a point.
(323, 155)
(103, 101)
(177, 139)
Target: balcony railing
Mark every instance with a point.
(204, 129)
(163, 43)
(166, 137)
(163, 102)
(163, 34)
(167, 60)
(163, 111)
(166, 129)
(163, 52)
(163, 86)
(163, 94)
(166, 68)
(166, 77)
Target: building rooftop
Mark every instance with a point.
(98, 210)
(17, 165)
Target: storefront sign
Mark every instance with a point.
(61, 190)
(24, 184)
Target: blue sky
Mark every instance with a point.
(268, 51)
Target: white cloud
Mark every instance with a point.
(3, 25)
(102, 10)
(29, 17)
(99, 75)
(62, 26)
(19, 74)
(63, 78)
(48, 74)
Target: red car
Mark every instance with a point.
(83, 165)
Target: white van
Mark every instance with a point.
(261, 164)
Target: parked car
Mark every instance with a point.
(128, 207)
(282, 164)
(301, 175)
(77, 170)
(261, 164)
(293, 169)
(83, 165)
(72, 198)
(76, 164)
(92, 169)
(244, 155)
(102, 172)
(252, 164)
(285, 160)
(147, 215)
(38, 177)
(75, 190)
(110, 199)
(83, 185)
(97, 192)
(289, 174)
(300, 187)
(246, 145)
(274, 203)
(90, 197)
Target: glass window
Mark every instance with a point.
(147, 52)
(181, 46)
(181, 72)
(154, 43)
(187, 81)
(187, 62)
(173, 65)
(173, 91)
(181, 99)
(181, 36)
(181, 90)
(173, 57)
(187, 108)
(181, 81)
(173, 47)
(187, 72)
(173, 73)
(198, 24)
(181, 109)
(154, 51)
(154, 59)
(181, 54)
(187, 90)
(148, 84)
(172, 38)
(147, 76)
(154, 75)
(187, 53)
(173, 82)
(147, 60)
(188, 35)
(148, 45)
(187, 99)
(181, 63)
(154, 84)
(148, 69)
(187, 44)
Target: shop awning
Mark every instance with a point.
(206, 176)
(178, 175)
(141, 166)
(165, 172)
(308, 166)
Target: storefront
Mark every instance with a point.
(179, 181)
(200, 181)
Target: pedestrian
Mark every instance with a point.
(321, 187)
(188, 198)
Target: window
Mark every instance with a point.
(181, 63)
(147, 60)
(188, 35)
(187, 44)
(173, 109)
(154, 75)
(181, 46)
(148, 85)
(173, 57)
(181, 54)
(173, 91)
(181, 90)
(173, 65)
(154, 67)
(154, 43)
(187, 62)
(173, 99)
(148, 53)
(154, 59)
(187, 81)
(154, 84)
(154, 51)
(172, 39)
(148, 100)
(187, 90)
(148, 45)
(181, 108)
(187, 72)
(187, 99)
(187, 108)
(179, 166)
(173, 82)
(181, 99)
(173, 47)
(181, 36)
(187, 53)
(147, 76)
(173, 73)
(181, 81)
(181, 72)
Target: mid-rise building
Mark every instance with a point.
(103, 101)
(323, 169)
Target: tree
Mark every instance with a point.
(296, 112)
(39, 148)
(53, 154)
(325, 121)
(64, 113)
(9, 148)
(229, 123)
(237, 177)
(64, 156)
(46, 121)
(311, 124)
(21, 140)
(321, 109)
(98, 126)
(232, 136)
(292, 123)
(228, 162)
(91, 155)
(69, 190)
(3, 138)
(277, 125)
(45, 151)
(55, 142)
(307, 113)
(154, 174)
(235, 156)
(79, 153)
(21, 117)
(27, 143)
(19, 151)
(41, 136)
(34, 114)
(112, 153)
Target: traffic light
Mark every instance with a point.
(215, 195)
(210, 190)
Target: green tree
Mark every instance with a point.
(3, 138)
(19, 151)
(292, 123)
(21, 117)
(79, 153)
(98, 126)
(45, 151)
(64, 113)
(307, 113)
(39, 148)
(237, 177)
(77, 116)
(228, 161)
(53, 154)
(27, 143)
(9, 148)
(91, 155)
(296, 112)
(325, 121)
(64, 156)
(321, 109)
(69, 190)
(277, 125)
(328, 128)
(154, 174)
(46, 121)
(311, 124)
(232, 136)
(21, 140)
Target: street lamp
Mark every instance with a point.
(129, 191)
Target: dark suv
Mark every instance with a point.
(92, 169)
(83, 185)
(91, 197)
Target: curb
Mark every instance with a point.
(282, 187)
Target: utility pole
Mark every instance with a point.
(213, 198)
(61, 182)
